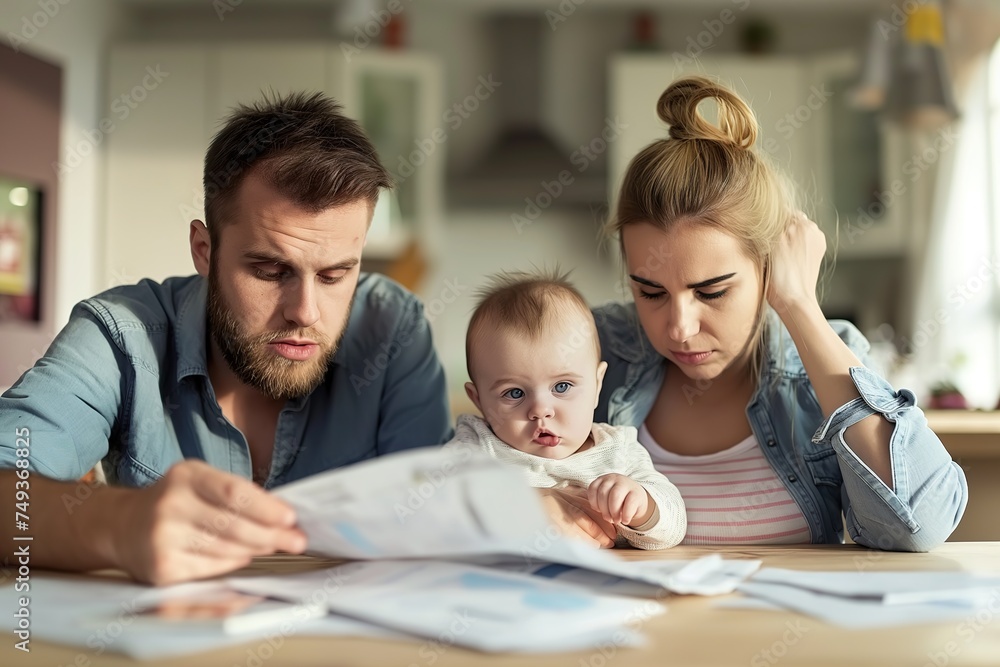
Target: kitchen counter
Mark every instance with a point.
(972, 437)
(968, 434)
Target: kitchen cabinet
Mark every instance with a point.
(399, 98)
(156, 139)
(156, 144)
(972, 437)
(845, 163)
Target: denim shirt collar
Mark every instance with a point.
(190, 331)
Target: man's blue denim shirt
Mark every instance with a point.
(127, 381)
(808, 452)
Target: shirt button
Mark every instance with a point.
(792, 478)
(771, 442)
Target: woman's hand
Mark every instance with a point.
(570, 512)
(795, 266)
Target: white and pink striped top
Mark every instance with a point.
(732, 496)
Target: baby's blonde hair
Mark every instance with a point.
(708, 174)
(526, 304)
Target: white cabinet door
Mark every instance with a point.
(861, 196)
(398, 99)
(157, 146)
(845, 164)
(156, 104)
(775, 88)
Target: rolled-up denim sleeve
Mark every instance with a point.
(68, 401)
(414, 410)
(929, 490)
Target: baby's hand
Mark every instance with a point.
(620, 499)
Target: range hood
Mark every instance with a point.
(523, 155)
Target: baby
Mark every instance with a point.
(534, 359)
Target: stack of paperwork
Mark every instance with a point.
(875, 599)
(450, 547)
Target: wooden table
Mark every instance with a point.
(692, 632)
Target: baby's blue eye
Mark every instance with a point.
(562, 387)
(514, 393)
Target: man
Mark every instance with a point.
(279, 360)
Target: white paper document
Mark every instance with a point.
(855, 613)
(888, 587)
(104, 616)
(708, 575)
(467, 605)
(423, 503)
(458, 505)
(875, 599)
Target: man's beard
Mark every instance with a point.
(253, 362)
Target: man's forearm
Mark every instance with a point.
(68, 526)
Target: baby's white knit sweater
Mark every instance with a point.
(616, 450)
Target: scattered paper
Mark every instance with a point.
(875, 599)
(466, 605)
(457, 505)
(424, 503)
(708, 575)
(854, 613)
(888, 587)
(64, 609)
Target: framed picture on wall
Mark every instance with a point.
(20, 250)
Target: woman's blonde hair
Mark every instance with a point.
(709, 175)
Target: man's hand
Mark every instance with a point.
(571, 513)
(620, 499)
(199, 522)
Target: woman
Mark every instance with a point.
(761, 411)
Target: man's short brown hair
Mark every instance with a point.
(302, 145)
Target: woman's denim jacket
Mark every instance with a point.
(807, 451)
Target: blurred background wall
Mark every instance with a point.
(509, 124)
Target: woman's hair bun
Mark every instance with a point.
(678, 107)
